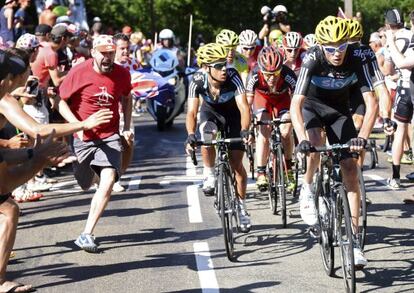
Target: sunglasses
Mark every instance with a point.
(290, 50)
(331, 50)
(248, 48)
(268, 74)
(219, 65)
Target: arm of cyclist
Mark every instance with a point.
(244, 109)
(191, 121)
(251, 84)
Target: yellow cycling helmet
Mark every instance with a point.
(355, 29)
(275, 35)
(332, 30)
(210, 53)
(227, 38)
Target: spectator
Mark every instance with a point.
(97, 27)
(22, 21)
(127, 30)
(42, 32)
(274, 20)
(97, 84)
(7, 22)
(47, 16)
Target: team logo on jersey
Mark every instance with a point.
(104, 98)
(309, 56)
(359, 53)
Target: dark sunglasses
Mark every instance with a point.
(331, 50)
(290, 50)
(248, 48)
(219, 65)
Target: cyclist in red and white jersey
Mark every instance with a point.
(269, 88)
(293, 51)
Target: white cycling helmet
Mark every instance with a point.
(310, 40)
(292, 40)
(166, 34)
(247, 38)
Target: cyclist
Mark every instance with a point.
(404, 99)
(248, 47)
(275, 38)
(223, 95)
(309, 41)
(293, 52)
(321, 101)
(357, 104)
(269, 88)
(230, 40)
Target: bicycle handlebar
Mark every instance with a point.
(276, 122)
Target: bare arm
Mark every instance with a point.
(9, 15)
(264, 32)
(297, 117)
(244, 111)
(191, 118)
(127, 109)
(371, 102)
(385, 103)
(56, 77)
(399, 59)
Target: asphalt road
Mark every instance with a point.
(162, 235)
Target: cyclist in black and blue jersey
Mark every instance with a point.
(321, 102)
(224, 106)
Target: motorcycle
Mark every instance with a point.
(162, 88)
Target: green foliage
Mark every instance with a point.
(210, 16)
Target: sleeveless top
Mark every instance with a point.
(6, 34)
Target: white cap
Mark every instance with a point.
(97, 19)
(280, 8)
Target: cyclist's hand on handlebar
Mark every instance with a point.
(190, 143)
(357, 144)
(304, 146)
(389, 126)
(247, 136)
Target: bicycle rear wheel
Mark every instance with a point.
(325, 217)
(344, 236)
(362, 221)
(271, 171)
(227, 211)
(280, 183)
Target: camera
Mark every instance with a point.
(269, 16)
(32, 87)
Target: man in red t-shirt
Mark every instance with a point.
(97, 83)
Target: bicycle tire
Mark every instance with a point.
(344, 236)
(326, 227)
(280, 184)
(272, 184)
(295, 189)
(373, 155)
(226, 211)
(362, 221)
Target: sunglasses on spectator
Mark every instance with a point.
(248, 48)
(268, 74)
(219, 65)
(332, 50)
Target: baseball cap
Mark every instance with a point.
(63, 19)
(60, 30)
(27, 41)
(127, 30)
(104, 43)
(393, 16)
(374, 37)
(43, 30)
(280, 8)
(10, 64)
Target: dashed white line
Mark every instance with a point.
(376, 178)
(205, 268)
(133, 184)
(194, 211)
(191, 169)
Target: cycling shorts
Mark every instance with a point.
(336, 121)
(275, 106)
(403, 105)
(228, 123)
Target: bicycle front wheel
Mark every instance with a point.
(280, 183)
(227, 211)
(344, 236)
(362, 221)
(271, 175)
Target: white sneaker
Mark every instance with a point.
(394, 183)
(38, 186)
(118, 187)
(307, 207)
(359, 259)
(208, 185)
(244, 219)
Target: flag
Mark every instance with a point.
(341, 13)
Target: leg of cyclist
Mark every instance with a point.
(287, 142)
(307, 196)
(236, 162)
(262, 150)
(208, 131)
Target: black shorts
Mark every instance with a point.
(336, 121)
(403, 105)
(228, 123)
(356, 101)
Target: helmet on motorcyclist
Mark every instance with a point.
(166, 34)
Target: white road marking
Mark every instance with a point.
(205, 268)
(194, 211)
(191, 169)
(376, 178)
(133, 184)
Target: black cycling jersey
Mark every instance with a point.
(331, 84)
(366, 54)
